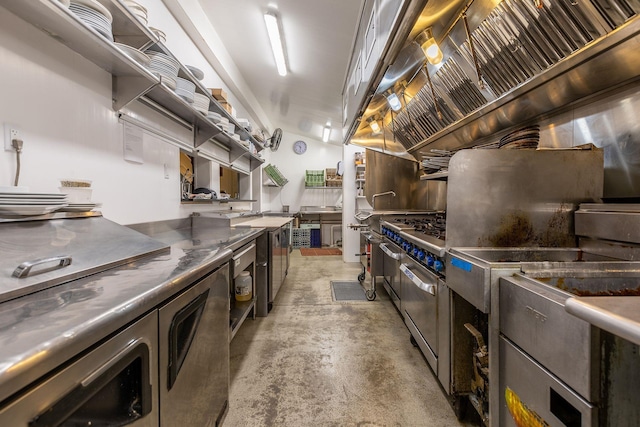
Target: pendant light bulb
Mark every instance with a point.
(430, 47)
(394, 101)
(373, 124)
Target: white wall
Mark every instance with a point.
(293, 166)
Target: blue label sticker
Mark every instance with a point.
(462, 265)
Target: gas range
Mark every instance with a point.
(422, 238)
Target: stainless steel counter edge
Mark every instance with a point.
(619, 315)
(42, 331)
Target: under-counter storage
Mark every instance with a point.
(244, 259)
(194, 354)
(114, 384)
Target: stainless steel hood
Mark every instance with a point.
(525, 62)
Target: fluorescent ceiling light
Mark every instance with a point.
(326, 132)
(277, 47)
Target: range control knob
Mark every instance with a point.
(438, 266)
(415, 252)
(421, 255)
(430, 261)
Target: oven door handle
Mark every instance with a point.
(389, 252)
(427, 287)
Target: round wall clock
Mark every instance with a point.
(299, 147)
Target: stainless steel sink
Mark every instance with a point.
(519, 255)
(609, 284)
(471, 272)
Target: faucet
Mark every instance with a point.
(373, 198)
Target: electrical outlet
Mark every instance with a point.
(11, 132)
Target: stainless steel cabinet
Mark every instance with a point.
(114, 384)
(194, 353)
(279, 248)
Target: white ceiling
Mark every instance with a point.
(318, 35)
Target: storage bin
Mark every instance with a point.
(316, 241)
(314, 178)
(301, 238)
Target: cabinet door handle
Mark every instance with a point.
(389, 252)
(24, 269)
(427, 287)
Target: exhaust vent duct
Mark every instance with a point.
(535, 60)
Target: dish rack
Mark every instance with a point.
(275, 175)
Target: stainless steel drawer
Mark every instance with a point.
(532, 315)
(531, 388)
(243, 258)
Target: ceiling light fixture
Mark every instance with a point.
(277, 42)
(326, 132)
(430, 47)
(393, 100)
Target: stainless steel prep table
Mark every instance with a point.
(617, 315)
(41, 331)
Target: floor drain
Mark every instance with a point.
(347, 291)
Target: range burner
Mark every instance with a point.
(422, 238)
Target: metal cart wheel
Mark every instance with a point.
(370, 294)
(361, 277)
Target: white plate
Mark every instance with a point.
(186, 84)
(28, 210)
(34, 195)
(78, 208)
(197, 72)
(93, 4)
(134, 53)
(51, 202)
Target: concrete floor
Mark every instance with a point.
(316, 362)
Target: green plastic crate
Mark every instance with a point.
(314, 178)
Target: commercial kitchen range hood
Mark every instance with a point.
(505, 63)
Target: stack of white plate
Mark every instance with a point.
(31, 203)
(197, 72)
(245, 124)
(214, 117)
(164, 67)
(137, 10)
(186, 89)
(140, 57)
(161, 35)
(201, 103)
(95, 15)
(80, 207)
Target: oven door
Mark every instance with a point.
(391, 271)
(527, 390)
(420, 289)
(194, 353)
(114, 384)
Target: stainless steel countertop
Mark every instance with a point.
(38, 332)
(264, 222)
(619, 315)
